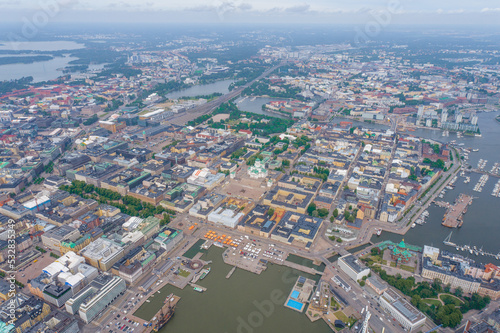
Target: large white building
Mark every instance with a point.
(96, 297)
(102, 253)
(258, 170)
(353, 267)
(226, 216)
(405, 313)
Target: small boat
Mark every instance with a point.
(475, 150)
(198, 289)
(413, 225)
(379, 232)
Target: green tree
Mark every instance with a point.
(311, 208)
(323, 212)
(335, 213)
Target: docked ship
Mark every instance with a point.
(166, 313)
(205, 273)
(379, 232)
(448, 241)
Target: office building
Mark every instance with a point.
(90, 302)
(405, 313)
(352, 267)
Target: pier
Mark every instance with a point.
(486, 173)
(443, 204)
(230, 272)
(197, 286)
(471, 249)
(453, 216)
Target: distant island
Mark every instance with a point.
(23, 60)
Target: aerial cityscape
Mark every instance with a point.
(234, 174)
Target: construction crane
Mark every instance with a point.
(36, 201)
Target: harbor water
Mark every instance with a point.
(244, 303)
(481, 227)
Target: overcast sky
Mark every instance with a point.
(234, 11)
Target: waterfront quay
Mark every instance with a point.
(453, 216)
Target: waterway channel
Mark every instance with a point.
(202, 89)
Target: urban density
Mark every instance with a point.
(148, 174)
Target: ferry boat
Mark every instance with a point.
(166, 313)
(205, 273)
(198, 289)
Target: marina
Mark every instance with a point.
(481, 164)
(453, 216)
(480, 184)
(468, 248)
(496, 190)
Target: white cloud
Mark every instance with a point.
(486, 10)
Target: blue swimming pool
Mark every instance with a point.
(294, 304)
(295, 294)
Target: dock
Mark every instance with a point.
(230, 272)
(197, 286)
(442, 204)
(453, 216)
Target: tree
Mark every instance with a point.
(458, 292)
(436, 285)
(311, 208)
(323, 212)
(335, 213)
(415, 300)
(270, 212)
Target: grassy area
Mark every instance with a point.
(392, 264)
(340, 315)
(450, 299)
(184, 273)
(334, 304)
(408, 268)
(432, 301)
